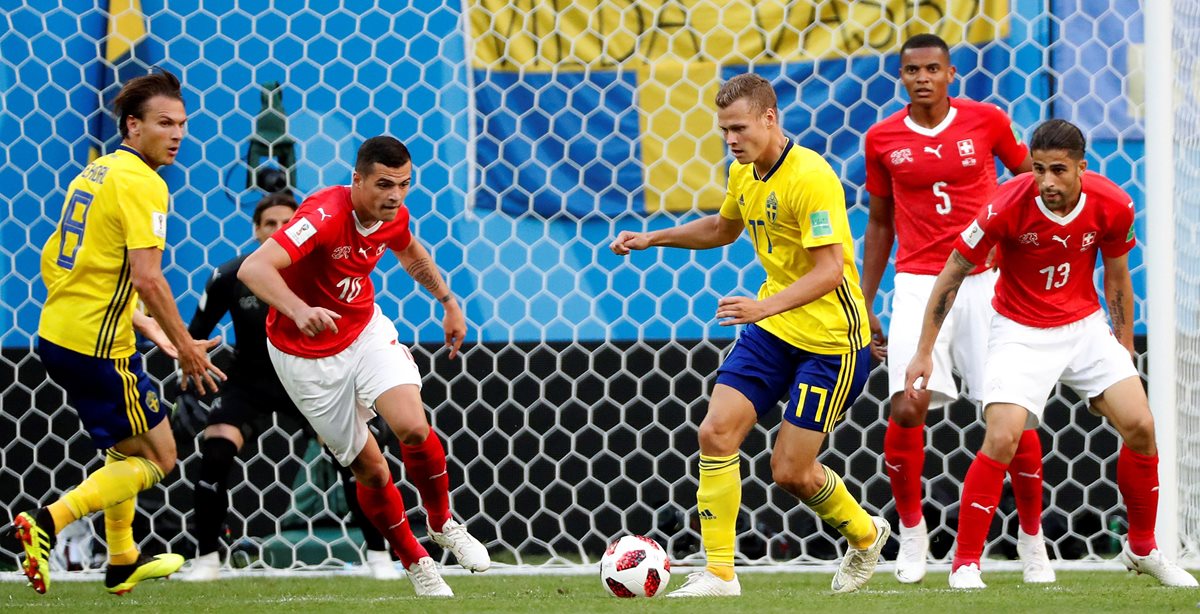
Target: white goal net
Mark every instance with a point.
(539, 130)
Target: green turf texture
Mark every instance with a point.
(1079, 591)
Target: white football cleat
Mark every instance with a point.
(427, 580)
(705, 583)
(967, 577)
(1031, 549)
(469, 552)
(914, 549)
(859, 565)
(1156, 566)
(205, 568)
(380, 564)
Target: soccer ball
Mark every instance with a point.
(635, 566)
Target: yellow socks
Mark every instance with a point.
(834, 504)
(109, 485)
(718, 499)
(118, 524)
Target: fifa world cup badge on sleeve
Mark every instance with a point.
(972, 234)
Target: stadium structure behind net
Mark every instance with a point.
(538, 134)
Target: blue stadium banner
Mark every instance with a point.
(607, 108)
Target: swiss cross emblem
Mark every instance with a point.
(1088, 240)
(966, 147)
(901, 156)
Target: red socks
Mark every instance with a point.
(904, 456)
(385, 508)
(1025, 471)
(425, 465)
(980, 496)
(1137, 479)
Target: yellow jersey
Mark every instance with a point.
(116, 204)
(797, 206)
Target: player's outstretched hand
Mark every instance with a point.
(879, 347)
(916, 377)
(197, 368)
(455, 325)
(733, 310)
(629, 241)
(314, 320)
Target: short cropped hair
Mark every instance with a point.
(384, 150)
(134, 95)
(283, 198)
(755, 89)
(925, 41)
(1059, 134)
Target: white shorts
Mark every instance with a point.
(336, 393)
(1025, 362)
(960, 344)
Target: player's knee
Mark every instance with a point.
(1139, 433)
(803, 482)
(1000, 445)
(412, 435)
(165, 464)
(908, 413)
(715, 440)
(373, 472)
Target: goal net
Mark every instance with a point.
(540, 130)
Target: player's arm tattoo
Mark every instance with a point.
(1116, 312)
(424, 272)
(958, 269)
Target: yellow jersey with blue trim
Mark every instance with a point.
(797, 206)
(116, 204)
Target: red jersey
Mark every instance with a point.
(938, 177)
(333, 256)
(1046, 280)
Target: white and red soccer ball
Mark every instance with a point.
(635, 566)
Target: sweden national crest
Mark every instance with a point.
(772, 208)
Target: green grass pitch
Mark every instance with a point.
(1076, 591)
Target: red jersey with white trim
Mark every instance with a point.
(938, 177)
(333, 256)
(1046, 280)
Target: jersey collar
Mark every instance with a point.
(124, 147)
(365, 231)
(1062, 220)
(934, 131)
(775, 166)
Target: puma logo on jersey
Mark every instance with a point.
(324, 216)
(363, 251)
(1062, 240)
(937, 151)
(986, 508)
(991, 213)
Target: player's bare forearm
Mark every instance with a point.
(877, 246)
(1118, 294)
(941, 299)
(825, 277)
(146, 275)
(260, 273)
(150, 329)
(420, 266)
(705, 233)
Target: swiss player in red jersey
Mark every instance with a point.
(338, 357)
(930, 169)
(1048, 227)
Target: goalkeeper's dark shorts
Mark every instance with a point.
(113, 397)
(250, 409)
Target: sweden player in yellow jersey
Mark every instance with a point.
(806, 335)
(105, 254)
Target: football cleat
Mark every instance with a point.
(205, 568)
(1031, 549)
(427, 581)
(37, 544)
(120, 579)
(1156, 566)
(380, 564)
(705, 583)
(466, 549)
(914, 549)
(859, 565)
(967, 577)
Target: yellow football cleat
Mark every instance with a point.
(37, 545)
(120, 579)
